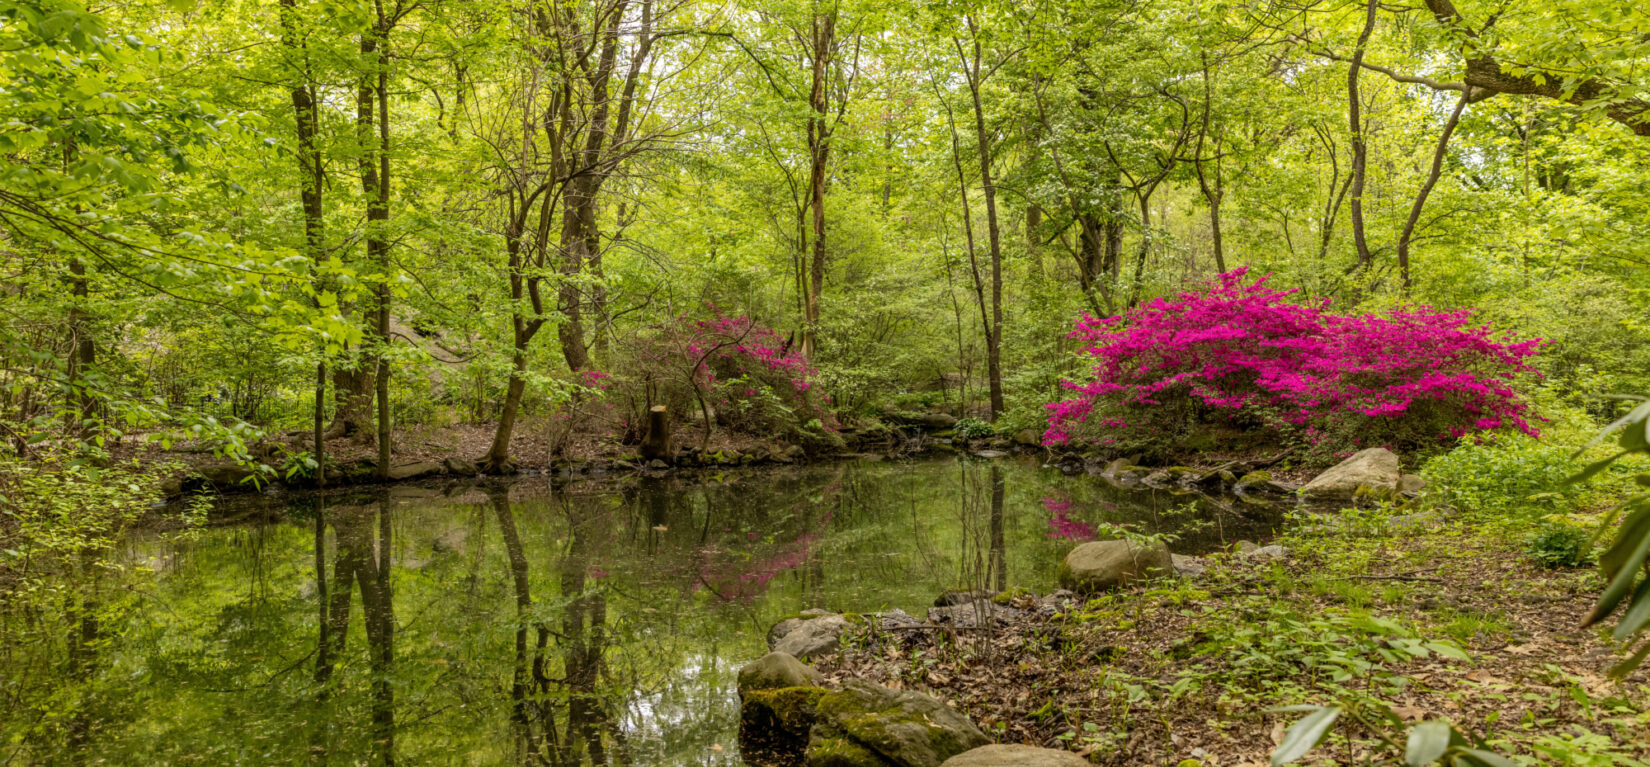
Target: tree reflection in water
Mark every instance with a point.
(575, 623)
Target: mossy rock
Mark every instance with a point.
(776, 670)
(788, 710)
(836, 750)
(774, 724)
(1012, 594)
(902, 728)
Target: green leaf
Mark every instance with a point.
(1448, 650)
(1427, 743)
(1305, 734)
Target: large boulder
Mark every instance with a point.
(867, 725)
(1102, 565)
(998, 755)
(776, 670)
(937, 421)
(1372, 471)
(819, 636)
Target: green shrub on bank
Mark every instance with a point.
(1515, 475)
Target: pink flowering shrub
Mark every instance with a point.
(744, 374)
(1239, 353)
(755, 379)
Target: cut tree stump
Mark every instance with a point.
(656, 445)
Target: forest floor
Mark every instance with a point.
(1429, 619)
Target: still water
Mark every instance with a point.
(544, 622)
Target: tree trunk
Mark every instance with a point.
(497, 460)
(84, 354)
(1426, 188)
(1212, 193)
(819, 156)
(1360, 147)
(313, 178)
(994, 330)
(372, 106)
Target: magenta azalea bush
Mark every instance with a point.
(744, 374)
(1241, 354)
(754, 379)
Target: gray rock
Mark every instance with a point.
(657, 464)
(989, 453)
(815, 637)
(1188, 567)
(1374, 470)
(1027, 438)
(896, 618)
(998, 755)
(786, 626)
(872, 726)
(1410, 484)
(460, 467)
(1273, 551)
(1260, 484)
(971, 615)
(937, 421)
(1117, 467)
(1246, 547)
(1102, 565)
(777, 670)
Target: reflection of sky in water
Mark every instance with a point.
(692, 570)
(690, 719)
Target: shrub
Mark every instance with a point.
(1515, 475)
(1561, 545)
(1239, 353)
(744, 374)
(973, 428)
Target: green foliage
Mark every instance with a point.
(1561, 545)
(973, 428)
(1624, 563)
(1434, 741)
(1514, 476)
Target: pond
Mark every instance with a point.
(597, 621)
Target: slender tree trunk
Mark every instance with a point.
(1211, 193)
(372, 107)
(819, 156)
(313, 181)
(1360, 146)
(84, 354)
(994, 329)
(1426, 189)
(1145, 196)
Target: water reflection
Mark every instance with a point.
(589, 623)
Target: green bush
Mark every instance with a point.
(1515, 475)
(973, 428)
(1561, 545)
